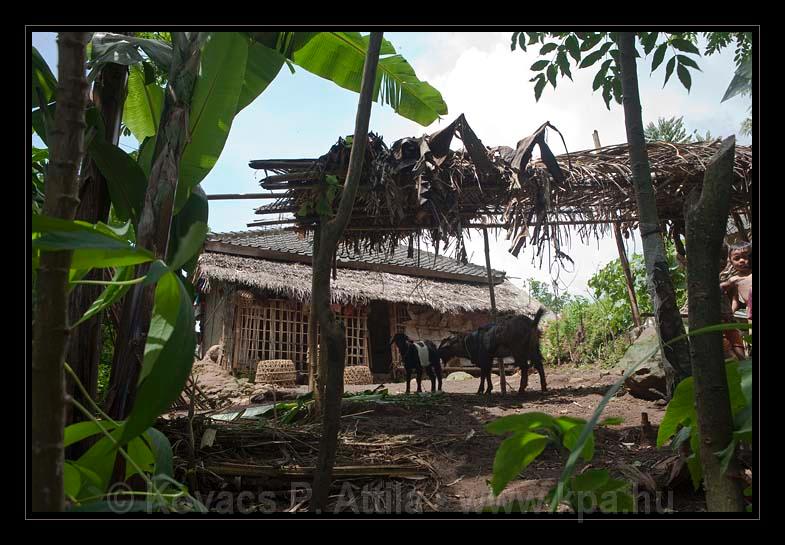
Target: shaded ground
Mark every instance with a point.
(446, 434)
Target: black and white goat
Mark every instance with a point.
(416, 356)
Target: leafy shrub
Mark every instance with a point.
(596, 331)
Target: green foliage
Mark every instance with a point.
(680, 421)
(609, 284)
(585, 333)
(40, 161)
(143, 104)
(339, 57)
(595, 331)
(667, 130)
(214, 104)
(43, 82)
(530, 433)
(542, 293)
(587, 48)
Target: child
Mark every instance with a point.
(736, 284)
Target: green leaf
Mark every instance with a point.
(547, 48)
(599, 78)
(94, 246)
(143, 105)
(72, 480)
(82, 430)
(680, 411)
(214, 105)
(590, 480)
(539, 65)
(551, 72)
(261, 68)
(726, 455)
(141, 454)
(162, 449)
(564, 64)
(43, 79)
(686, 61)
(669, 69)
(340, 56)
(168, 355)
(592, 40)
(693, 461)
(659, 56)
(196, 210)
(684, 45)
(520, 423)
(611, 421)
(538, 87)
(684, 76)
(100, 459)
(125, 180)
(110, 47)
(513, 455)
(189, 245)
(591, 58)
(573, 47)
(572, 429)
(648, 41)
(110, 294)
(514, 41)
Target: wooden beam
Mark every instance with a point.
(502, 377)
(239, 196)
(625, 265)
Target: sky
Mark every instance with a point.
(301, 115)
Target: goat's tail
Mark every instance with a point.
(537, 317)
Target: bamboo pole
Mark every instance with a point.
(489, 271)
(239, 196)
(625, 264)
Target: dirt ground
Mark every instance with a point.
(447, 433)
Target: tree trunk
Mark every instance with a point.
(706, 225)
(50, 328)
(84, 350)
(333, 342)
(155, 221)
(676, 360)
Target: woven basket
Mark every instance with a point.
(357, 374)
(280, 372)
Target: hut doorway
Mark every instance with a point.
(379, 336)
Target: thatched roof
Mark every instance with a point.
(281, 245)
(293, 280)
(419, 186)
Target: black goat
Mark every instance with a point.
(517, 336)
(410, 354)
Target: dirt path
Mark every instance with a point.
(450, 432)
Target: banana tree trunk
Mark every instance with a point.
(50, 329)
(676, 359)
(333, 342)
(706, 226)
(155, 221)
(84, 349)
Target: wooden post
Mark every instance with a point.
(502, 376)
(625, 264)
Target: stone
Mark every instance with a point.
(214, 352)
(459, 375)
(648, 381)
